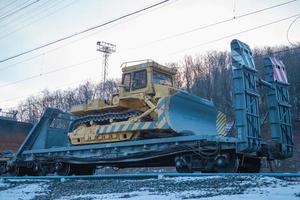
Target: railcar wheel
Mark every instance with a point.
(82, 169)
(62, 169)
(249, 165)
(183, 164)
(41, 172)
(40, 169)
(226, 163)
(3, 168)
(22, 171)
(13, 171)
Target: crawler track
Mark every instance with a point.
(104, 117)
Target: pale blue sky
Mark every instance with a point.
(133, 36)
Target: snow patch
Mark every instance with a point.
(272, 188)
(278, 190)
(24, 192)
(122, 196)
(190, 178)
(3, 185)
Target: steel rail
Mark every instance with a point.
(151, 176)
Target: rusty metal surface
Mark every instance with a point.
(12, 134)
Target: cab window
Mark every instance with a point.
(139, 79)
(162, 79)
(126, 81)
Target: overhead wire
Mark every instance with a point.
(15, 7)
(212, 41)
(38, 19)
(215, 24)
(76, 82)
(19, 97)
(288, 30)
(165, 38)
(33, 12)
(40, 91)
(280, 51)
(234, 34)
(83, 37)
(84, 31)
(192, 47)
(9, 4)
(18, 10)
(48, 72)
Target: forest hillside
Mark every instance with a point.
(208, 75)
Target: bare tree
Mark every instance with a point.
(207, 75)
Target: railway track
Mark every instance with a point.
(150, 176)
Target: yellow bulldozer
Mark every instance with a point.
(147, 106)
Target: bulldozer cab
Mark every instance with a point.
(146, 77)
(139, 79)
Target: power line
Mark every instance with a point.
(40, 91)
(217, 39)
(192, 47)
(84, 31)
(288, 30)
(14, 64)
(278, 52)
(209, 42)
(216, 23)
(18, 10)
(27, 15)
(49, 72)
(9, 4)
(11, 99)
(234, 34)
(60, 86)
(69, 43)
(14, 8)
(168, 37)
(73, 65)
(39, 19)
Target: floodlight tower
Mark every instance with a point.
(106, 49)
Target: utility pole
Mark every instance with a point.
(106, 49)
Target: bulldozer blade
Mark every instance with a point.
(190, 115)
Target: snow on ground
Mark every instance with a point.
(24, 191)
(276, 189)
(191, 178)
(2, 184)
(274, 193)
(204, 188)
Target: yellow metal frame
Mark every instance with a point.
(143, 99)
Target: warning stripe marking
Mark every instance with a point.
(221, 124)
(279, 70)
(127, 126)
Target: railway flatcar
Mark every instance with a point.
(149, 123)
